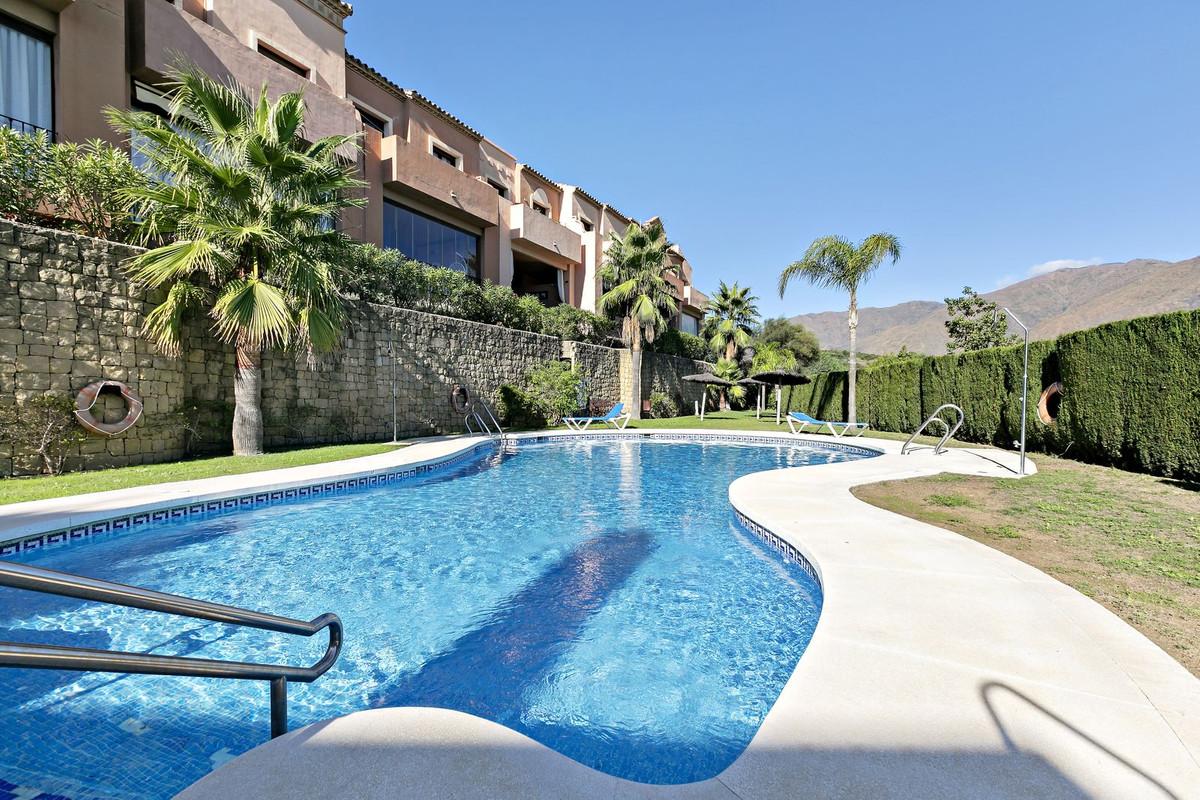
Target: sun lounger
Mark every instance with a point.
(613, 417)
(798, 422)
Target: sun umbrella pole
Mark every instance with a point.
(778, 401)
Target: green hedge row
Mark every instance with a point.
(1131, 394)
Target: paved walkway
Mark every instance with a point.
(940, 669)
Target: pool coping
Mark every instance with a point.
(939, 668)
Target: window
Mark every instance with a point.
(372, 121)
(26, 81)
(500, 188)
(429, 240)
(539, 208)
(588, 227)
(689, 324)
(282, 60)
(444, 154)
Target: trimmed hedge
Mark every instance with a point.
(1131, 394)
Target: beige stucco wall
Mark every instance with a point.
(291, 28)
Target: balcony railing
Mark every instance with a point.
(24, 127)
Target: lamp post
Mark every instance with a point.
(1024, 387)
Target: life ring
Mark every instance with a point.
(1047, 408)
(86, 399)
(460, 399)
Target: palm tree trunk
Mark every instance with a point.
(851, 411)
(635, 391)
(247, 400)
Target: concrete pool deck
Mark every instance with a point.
(940, 668)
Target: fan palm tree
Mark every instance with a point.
(245, 208)
(639, 297)
(731, 318)
(832, 261)
(728, 369)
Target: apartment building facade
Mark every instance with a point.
(438, 190)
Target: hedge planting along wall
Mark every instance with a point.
(1131, 394)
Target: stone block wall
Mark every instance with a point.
(69, 316)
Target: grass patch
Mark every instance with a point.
(1129, 541)
(17, 490)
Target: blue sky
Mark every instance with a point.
(990, 137)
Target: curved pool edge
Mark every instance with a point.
(939, 667)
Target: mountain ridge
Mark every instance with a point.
(1052, 304)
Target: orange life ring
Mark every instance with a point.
(460, 399)
(1047, 407)
(86, 399)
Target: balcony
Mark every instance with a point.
(409, 170)
(694, 298)
(21, 126)
(542, 236)
(160, 33)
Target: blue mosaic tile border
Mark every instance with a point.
(786, 549)
(38, 541)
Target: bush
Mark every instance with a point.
(67, 185)
(388, 277)
(517, 410)
(1131, 394)
(44, 427)
(675, 342)
(663, 406)
(549, 392)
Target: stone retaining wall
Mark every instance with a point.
(68, 317)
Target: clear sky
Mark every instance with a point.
(991, 137)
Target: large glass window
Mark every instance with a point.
(689, 324)
(429, 240)
(26, 85)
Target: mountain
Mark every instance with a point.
(1052, 304)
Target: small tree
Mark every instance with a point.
(44, 426)
(728, 369)
(974, 323)
(796, 339)
(730, 320)
(246, 207)
(640, 298)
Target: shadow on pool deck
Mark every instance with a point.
(417, 752)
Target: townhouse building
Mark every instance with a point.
(438, 190)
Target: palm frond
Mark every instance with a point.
(252, 313)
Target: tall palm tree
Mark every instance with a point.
(245, 207)
(832, 261)
(731, 318)
(640, 296)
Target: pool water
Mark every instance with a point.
(598, 596)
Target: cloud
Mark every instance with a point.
(1047, 267)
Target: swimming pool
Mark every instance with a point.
(596, 595)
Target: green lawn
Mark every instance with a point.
(16, 490)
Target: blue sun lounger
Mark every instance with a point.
(617, 414)
(798, 422)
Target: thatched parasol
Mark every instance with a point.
(758, 406)
(781, 378)
(708, 379)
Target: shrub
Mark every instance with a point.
(575, 324)
(675, 342)
(44, 427)
(553, 387)
(1131, 395)
(663, 405)
(66, 185)
(516, 409)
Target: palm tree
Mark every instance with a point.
(728, 369)
(246, 209)
(832, 261)
(640, 296)
(731, 318)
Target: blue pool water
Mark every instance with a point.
(596, 596)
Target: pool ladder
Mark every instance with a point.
(45, 656)
(481, 421)
(940, 447)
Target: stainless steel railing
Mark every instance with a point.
(940, 447)
(46, 581)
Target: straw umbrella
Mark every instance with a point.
(780, 378)
(708, 379)
(755, 382)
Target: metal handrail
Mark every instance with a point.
(47, 581)
(940, 447)
(21, 126)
